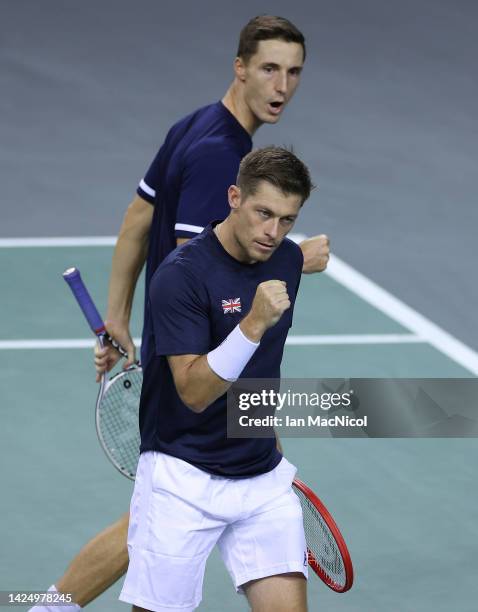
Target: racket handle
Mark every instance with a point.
(74, 280)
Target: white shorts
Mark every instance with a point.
(179, 512)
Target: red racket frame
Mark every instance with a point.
(347, 561)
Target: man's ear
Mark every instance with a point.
(240, 69)
(234, 197)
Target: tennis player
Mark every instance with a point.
(194, 487)
(183, 190)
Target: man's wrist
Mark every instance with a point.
(306, 258)
(118, 321)
(232, 355)
(252, 329)
(119, 310)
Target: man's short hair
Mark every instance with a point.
(279, 167)
(267, 27)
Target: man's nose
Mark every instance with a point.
(272, 228)
(281, 82)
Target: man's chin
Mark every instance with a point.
(266, 117)
(271, 119)
(260, 255)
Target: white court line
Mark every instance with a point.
(77, 241)
(80, 241)
(75, 343)
(355, 339)
(403, 314)
(71, 343)
(339, 271)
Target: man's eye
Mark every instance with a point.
(268, 69)
(264, 213)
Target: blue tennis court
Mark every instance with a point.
(396, 501)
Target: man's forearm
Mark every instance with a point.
(202, 379)
(128, 259)
(197, 385)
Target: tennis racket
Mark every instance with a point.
(117, 409)
(117, 405)
(327, 552)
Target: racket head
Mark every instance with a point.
(327, 552)
(117, 419)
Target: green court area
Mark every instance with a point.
(407, 507)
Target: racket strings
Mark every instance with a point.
(118, 419)
(321, 543)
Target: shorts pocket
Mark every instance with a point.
(171, 474)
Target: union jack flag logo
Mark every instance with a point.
(232, 305)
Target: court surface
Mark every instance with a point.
(408, 508)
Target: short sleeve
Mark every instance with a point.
(180, 312)
(209, 171)
(300, 265)
(149, 184)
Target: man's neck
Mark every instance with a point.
(225, 235)
(237, 106)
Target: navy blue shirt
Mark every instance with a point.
(188, 315)
(187, 183)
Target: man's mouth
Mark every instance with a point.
(275, 107)
(265, 246)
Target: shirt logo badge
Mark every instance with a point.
(232, 305)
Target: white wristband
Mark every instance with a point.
(231, 356)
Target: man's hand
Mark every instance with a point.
(269, 304)
(108, 356)
(316, 253)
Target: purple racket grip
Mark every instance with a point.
(73, 278)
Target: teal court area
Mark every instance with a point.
(407, 507)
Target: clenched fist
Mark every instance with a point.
(269, 304)
(316, 252)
